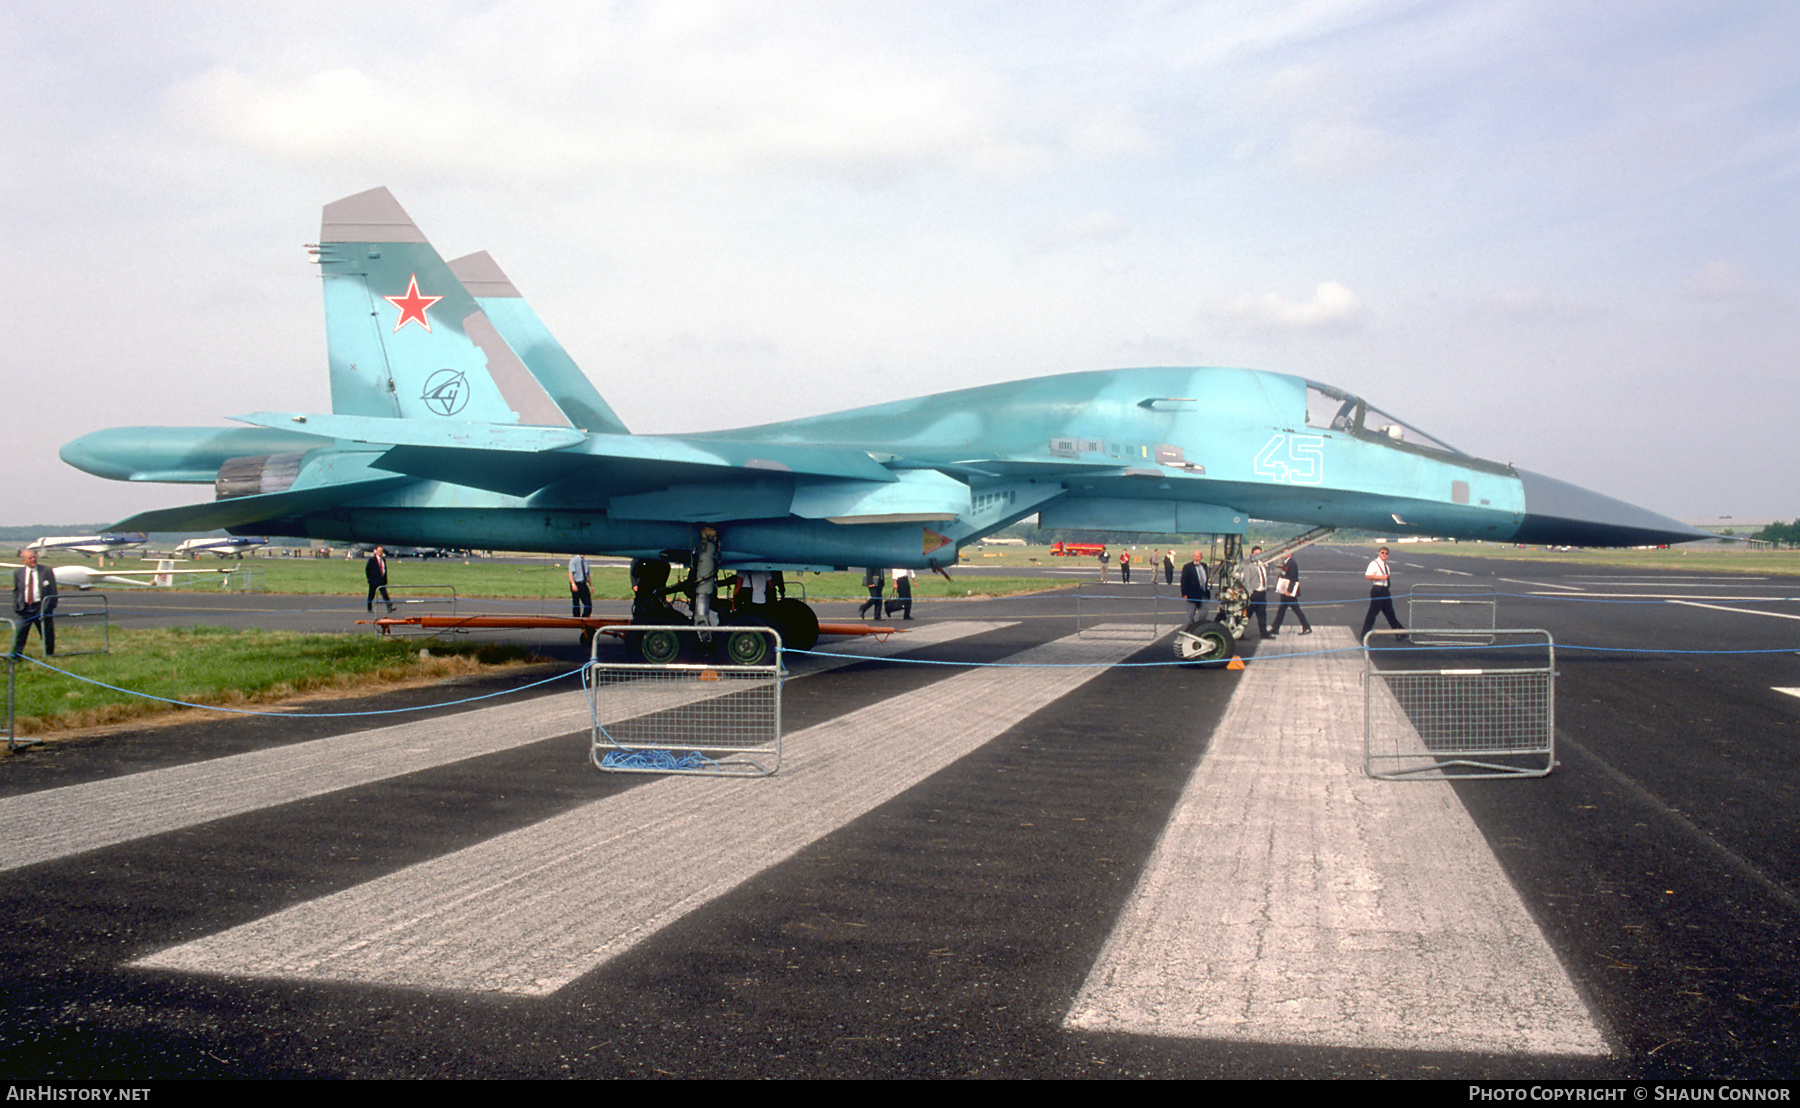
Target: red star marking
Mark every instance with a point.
(412, 306)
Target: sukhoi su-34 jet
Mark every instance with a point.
(457, 420)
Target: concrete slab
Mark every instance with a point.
(55, 823)
(1293, 900)
(528, 912)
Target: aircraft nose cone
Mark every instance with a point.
(1560, 514)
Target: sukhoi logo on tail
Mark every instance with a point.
(446, 392)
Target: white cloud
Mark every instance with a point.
(664, 94)
(1332, 306)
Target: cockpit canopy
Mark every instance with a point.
(1333, 409)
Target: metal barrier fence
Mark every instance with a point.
(1451, 615)
(83, 624)
(440, 596)
(12, 670)
(688, 700)
(244, 577)
(1110, 610)
(1484, 708)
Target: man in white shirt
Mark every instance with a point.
(756, 583)
(902, 593)
(581, 596)
(1381, 596)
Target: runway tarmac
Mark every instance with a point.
(1045, 859)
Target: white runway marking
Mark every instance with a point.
(51, 824)
(1712, 578)
(1293, 900)
(529, 911)
(1540, 584)
(1739, 597)
(1790, 692)
(1738, 611)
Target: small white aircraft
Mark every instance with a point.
(81, 578)
(223, 547)
(84, 545)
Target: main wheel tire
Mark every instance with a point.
(659, 648)
(1207, 645)
(797, 622)
(747, 648)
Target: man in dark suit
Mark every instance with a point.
(1194, 588)
(34, 599)
(375, 569)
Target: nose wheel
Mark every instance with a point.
(1207, 645)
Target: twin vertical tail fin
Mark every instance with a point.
(550, 365)
(408, 339)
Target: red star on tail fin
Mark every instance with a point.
(412, 305)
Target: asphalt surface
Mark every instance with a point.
(1072, 868)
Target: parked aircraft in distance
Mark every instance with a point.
(86, 545)
(223, 547)
(81, 578)
(457, 419)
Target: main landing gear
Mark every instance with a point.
(691, 602)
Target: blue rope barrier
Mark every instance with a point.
(997, 665)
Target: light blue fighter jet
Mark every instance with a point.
(458, 420)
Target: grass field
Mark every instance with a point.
(217, 666)
(514, 578)
(214, 665)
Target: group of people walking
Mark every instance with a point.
(876, 582)
(1196, 590)
(34, 591)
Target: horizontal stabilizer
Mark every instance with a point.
(619, 464)
(243, 510)
(452, 434)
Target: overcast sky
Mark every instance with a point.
(1559, 234)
